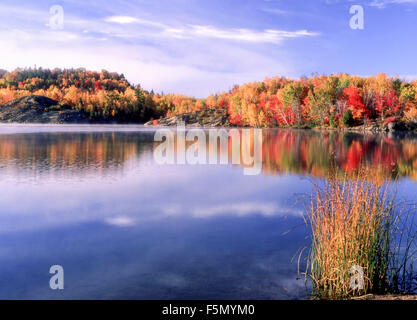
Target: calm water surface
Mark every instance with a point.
(92, 199)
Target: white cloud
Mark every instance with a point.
(266, 36)
(120, 221)
(208, 31)
(377, 4)
(381, 4)
(121, 19)
(134, 20)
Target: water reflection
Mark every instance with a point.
(71, 154)
(313, 153)
(283, 151)
(95, 201)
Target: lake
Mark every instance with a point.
(94, 200)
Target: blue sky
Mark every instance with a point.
(198, 47)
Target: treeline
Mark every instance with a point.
(338, 100)
(103, 95)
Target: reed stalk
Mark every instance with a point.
(357, 243)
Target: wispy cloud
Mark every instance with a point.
(377, 4)
(266, 36)
(209, 31)
(277, 11)
(381, 4)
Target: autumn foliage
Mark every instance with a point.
(315, 101)
(102, 95)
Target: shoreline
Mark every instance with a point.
(212, 118)
(359, 129)
(37, 110)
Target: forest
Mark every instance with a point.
(338, 100)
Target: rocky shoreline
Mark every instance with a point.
(39, 109)
(219, 118)
(374, 127)
(203, 118)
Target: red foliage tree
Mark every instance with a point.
(97, 86)
(355, 103)
(387, 105)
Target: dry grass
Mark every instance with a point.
(352, 222)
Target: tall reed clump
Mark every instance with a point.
(354, 225)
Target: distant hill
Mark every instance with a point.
(39, 109)
(103, 96)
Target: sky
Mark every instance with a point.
(202, 47)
